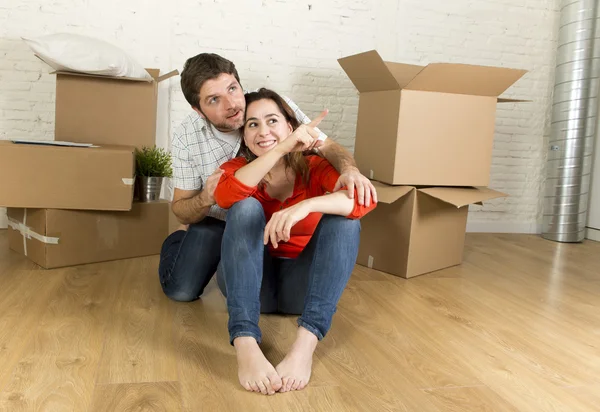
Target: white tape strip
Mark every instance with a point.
(370, 262)
(128, 181)
(30, 234)
(371, 174)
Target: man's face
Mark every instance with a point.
(222, 103)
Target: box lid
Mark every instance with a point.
(155, 73)
(389, 194)
(462, 196)
(368, 72)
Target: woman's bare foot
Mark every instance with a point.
(296, 367)
(255, 372)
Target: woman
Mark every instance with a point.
(292, 246)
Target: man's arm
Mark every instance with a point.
(350, 176)
(191, 206)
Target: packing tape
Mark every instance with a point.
(29, 234)
(128, 181)
(370, 262)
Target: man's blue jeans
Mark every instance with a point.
(316, 278)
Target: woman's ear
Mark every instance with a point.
(290, 128)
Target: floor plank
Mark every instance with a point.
(139, 397)
(140, 344)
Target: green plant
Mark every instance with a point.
(153, 162)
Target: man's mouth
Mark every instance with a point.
(234, 115)
(266, 143)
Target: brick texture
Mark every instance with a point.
(292, 46)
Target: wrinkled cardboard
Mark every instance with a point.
(40, 176)
(107, 110)
(56, 238)
(426, 125)
(414, 230)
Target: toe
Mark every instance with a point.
(254, 387)
(262, 387)
(267, 383)
(302, 385)
(296, 384)
(248, 387)
(284, 383)
(275, 381)
(291, 383)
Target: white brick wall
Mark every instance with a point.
(292, 46)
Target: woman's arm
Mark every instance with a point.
(278, 229)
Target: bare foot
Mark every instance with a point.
(296, 367)
(255, 372)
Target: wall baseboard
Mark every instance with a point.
(593, 234)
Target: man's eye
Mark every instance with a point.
(233, 88)
(213, 100)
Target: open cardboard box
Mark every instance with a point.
(107, 110)
(56, 238)
(36, 175)
(414, 231)
(431, 125)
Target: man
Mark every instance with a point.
(206, 139)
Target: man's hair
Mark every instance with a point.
(295, 160)
(198, 69)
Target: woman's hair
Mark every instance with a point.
(294, 160)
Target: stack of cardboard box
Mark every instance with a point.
(73, 203)
(424, 136)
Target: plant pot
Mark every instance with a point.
(149, 188)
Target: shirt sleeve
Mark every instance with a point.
(186, 174)
(323, 178)
(230, 190)
(302, 118)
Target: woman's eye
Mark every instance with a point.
(271, 121)
(252, 124)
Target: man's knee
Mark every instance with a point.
(180, 295)
(247, 210)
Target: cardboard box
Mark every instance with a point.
(430, 125)
(55, 238)
(42, 176)
(414, 231)
(107, 110)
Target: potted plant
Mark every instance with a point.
(152, 165)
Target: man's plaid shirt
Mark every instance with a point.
(197, 152)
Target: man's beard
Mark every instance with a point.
(231, 125)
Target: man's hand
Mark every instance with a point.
(364, 188)
(208, 194)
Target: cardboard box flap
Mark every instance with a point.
(403, 73)
(368, 72)
(465, 79)
(389, 194)
(460, 197)
(155, 73)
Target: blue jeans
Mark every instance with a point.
(189, 259)
(318, 275)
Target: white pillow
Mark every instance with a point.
(78, 53)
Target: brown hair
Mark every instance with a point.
(294, 160)
(199, 69)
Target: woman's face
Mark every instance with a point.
(265, 126)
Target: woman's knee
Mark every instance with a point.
(341, 225)
(247, 210)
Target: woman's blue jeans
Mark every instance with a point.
(250, 277)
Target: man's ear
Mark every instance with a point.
(199, 112)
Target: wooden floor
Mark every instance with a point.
(515, 328)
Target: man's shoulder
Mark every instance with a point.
(193, 128)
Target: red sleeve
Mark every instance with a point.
(323, 178)
(230, 190)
